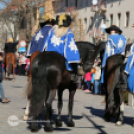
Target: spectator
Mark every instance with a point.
(22, 64)
(81, 74)
(92, 80)
(88, 77)
(97, 76)
(4, 100)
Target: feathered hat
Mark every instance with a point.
(46, 20)
(63, 20)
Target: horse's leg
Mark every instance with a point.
(59, 105)
(13, 71)
(48, 110)
(121, 110)
(72, 91)
(25, 118)
(7, 72)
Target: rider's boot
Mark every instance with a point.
(123, 78)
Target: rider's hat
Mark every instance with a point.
(44, 20)
(113, 27)
(63, 20)
(10, 40)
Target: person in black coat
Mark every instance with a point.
(10, 46)
(4, 100)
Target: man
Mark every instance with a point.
(61, 40)
(39, 38)
(116, 44)
(10, 46)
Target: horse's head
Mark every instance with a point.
(88, 53)
(86, 50)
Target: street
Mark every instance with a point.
(88, 113)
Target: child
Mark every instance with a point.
(88, 77)
(92, 80)
(4, 100)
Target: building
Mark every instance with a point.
(118, 12)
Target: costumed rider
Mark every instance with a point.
(37, 42)
(129, 69)
(10, 46)
(116, 44)
(61, 40)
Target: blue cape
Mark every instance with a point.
(38, 40)
(64, 45)
(116, 44)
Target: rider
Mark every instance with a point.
(115, 45)
(37, 41)
(10, 46)
(61, 40)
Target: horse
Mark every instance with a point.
(49, 74)
(115, 93)
(10, 63)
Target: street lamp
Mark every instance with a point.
(99, 18)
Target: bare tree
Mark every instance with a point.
(21, 16)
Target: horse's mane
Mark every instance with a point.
(84, 49)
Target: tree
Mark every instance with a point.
(20, 17)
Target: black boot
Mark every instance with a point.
(123, 78)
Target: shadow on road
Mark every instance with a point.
(100, 113)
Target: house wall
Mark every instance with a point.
(113, 7)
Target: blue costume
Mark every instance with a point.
(64, 45)
(129, 69)
(38, 40)
(115, 45)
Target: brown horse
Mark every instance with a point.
(10, 63)
(31, 60)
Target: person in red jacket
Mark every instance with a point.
(88, 77)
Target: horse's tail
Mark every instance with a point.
(28, 90)
(9, 69)
(39, 89)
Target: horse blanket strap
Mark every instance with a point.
(64, 45)
(38, 40)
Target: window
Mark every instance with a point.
(87, 2)
(91, 20)
(127, 19)
(85, 23)
(118, 19)
(76, 2)
(66, 3)
(71, 2)
(111, 19)
(41, 11)
(81, 3)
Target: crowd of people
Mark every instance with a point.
(91, 81)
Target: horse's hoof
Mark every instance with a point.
(48, 127)
(70, 123)
(118, 123)
(106, 118)
(58, 123)
(25, 118)
(34, 127)
(13, 80)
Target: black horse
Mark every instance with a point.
(49, 73)
(115, 92)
